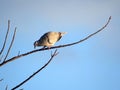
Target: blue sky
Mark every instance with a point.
(91, 65)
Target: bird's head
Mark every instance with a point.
(35, 44)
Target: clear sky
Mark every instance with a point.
(90, 65)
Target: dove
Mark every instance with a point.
(49, 39)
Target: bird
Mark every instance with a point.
(49, 39)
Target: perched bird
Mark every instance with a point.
(49, 39)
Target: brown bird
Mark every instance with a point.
(49, 39)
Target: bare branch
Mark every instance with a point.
(18, 53)
(5, 37)
(31, 76)
(10, 45)
(60, 46)
(1, 80)
(1, 58)
(6, 87)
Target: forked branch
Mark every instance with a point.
(60, 46)
(10, 45)
(31, 76)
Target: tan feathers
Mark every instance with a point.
(49, 39)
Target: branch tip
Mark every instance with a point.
(8, 22)
(6, 87)
(10, 45)
(6, 36)
(110, 17)
(1, 79)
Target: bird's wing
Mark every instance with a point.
(53, 37)
(43, 38)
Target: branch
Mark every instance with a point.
(10, 45)
(31, 76)
(1, 80)
(5, 37)
(6, 87)
(60, 46)
(1, 58)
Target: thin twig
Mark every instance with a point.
(60, 46)
(5, 37)
(1, 80)
(10, 45)
(6, 87)
(1, 58)
(31, 76)
(18, 53)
